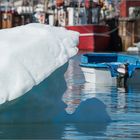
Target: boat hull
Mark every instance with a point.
(110, 68)
(92, 37)
(103, 76)
(98, 76)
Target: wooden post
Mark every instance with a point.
(127, 32)
(137, 30)
(0, 20)
(7, 20)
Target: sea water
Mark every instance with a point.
(122, 105)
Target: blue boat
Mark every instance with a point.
(110, 68)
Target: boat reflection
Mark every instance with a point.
(111, 95)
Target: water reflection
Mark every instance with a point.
(83, 131)
(51, 131)
(42, 104)
(79, 91)
(95, 112)
(122, 104)
(41, 112)
(31, 131)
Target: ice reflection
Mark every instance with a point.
(95, 112)
(41, 104)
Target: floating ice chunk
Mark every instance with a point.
(133, 49)
(29, 54)
(136, 48)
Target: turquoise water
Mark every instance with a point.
(122, 105)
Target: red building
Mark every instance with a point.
(126, 4)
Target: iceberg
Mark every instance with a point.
(29, 54)
(33, 60)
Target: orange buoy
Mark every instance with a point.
(59, 3)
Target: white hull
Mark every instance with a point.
(103, 76)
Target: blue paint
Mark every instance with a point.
(110, 61)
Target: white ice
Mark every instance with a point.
(29, 54)
(135, 48)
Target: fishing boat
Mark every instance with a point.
(93, 37)
(110, 68)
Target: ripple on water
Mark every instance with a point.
(122, 104)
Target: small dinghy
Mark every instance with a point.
(110, 68)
